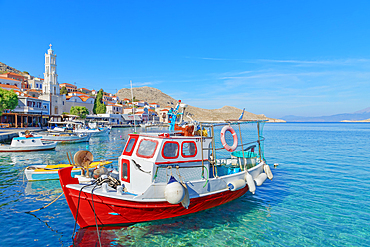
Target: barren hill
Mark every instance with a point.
(7, 68)
(153, 95)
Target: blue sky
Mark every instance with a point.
(278, 58)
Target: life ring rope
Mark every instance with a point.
(223, 139)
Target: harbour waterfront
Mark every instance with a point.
(318, 197)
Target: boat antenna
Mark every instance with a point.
(132, 102)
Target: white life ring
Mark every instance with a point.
(223, 141)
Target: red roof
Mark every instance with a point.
(67, 84)
(10, 79)
(8, 86)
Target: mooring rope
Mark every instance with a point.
(96, 222)
(45, 205)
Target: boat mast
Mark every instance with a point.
(132, 102)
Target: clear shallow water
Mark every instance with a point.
(320, 196)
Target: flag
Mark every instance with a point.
(241, 115)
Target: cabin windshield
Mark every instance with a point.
(147, 148)
(170, 150)
(130, 145)
(188, 149)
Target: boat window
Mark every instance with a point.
(147, 148)
(125, 170)
(188, 149)
(130, 146)
(170, 150)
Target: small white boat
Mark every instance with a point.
(27, 143)
(93, 132)
(60, 137)
(66, 137)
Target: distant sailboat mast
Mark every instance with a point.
(133, 108)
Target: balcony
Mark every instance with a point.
(31, 110)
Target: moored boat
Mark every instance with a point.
(27, 143)
(61, 137)
(66, 137)
(49, 172)
(170, 174)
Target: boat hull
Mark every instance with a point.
(112, 211)
(66, 139)
(27, 148)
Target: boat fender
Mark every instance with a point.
(236, 185)
(223, 140)
(174, 191)
(186, 200)
(251, 185)
(268, 172)
(260, 179)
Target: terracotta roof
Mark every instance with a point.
(8, 86)
(10, 79)
(12, 73)
(68, 85)
(84, 98)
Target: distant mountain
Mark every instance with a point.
(356, 116)
(153, 95)
(7, 68)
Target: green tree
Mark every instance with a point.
(80, 111)
(8, 100)
(63, 90)
(99, 106)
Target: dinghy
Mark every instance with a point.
(48, 172)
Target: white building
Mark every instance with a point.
(11, 82)
(36, 83)
(50, 87)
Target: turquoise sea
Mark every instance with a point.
(320, 196)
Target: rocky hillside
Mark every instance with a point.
(7, 68)
(153, 95)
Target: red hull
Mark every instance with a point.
(110, 211)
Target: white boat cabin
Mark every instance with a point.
(147, 157)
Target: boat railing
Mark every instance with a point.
(214, 155)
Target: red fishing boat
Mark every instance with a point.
(171, 173)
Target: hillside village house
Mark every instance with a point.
(113, 108)
(84, 90)
(11, 82)
(35, 83)
(14, 76)
(70, 88)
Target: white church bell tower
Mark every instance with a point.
(50, 85)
